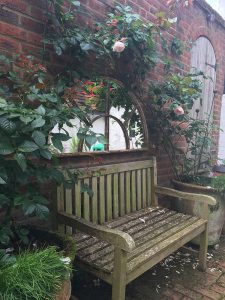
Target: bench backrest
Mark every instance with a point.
(118, 189)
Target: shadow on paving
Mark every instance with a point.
(177, 277)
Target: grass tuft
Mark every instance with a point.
(36, 275)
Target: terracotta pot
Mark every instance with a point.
(65, 292)
(217, 213)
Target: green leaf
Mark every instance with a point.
(21, 160)
(18, 200)
(3, 176)
(39, 122)
(7, 125)
(3, 102)
(85, 188)
(91, 139)
(40, 110)
(26, 119)
(39, 138)
(46, 153)
(3, 200)
(62, 136)
(85, 46)
(56, 141)
(28, 146)
(5, 148)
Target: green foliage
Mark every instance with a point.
(64, 34)
(33, 275)
(31, 106)
(170, 128)
(122, 25)
(138, 37)
(177, 47)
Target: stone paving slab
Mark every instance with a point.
(176, 278)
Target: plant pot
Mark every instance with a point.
(216, 215)
(65, 292)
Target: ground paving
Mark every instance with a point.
(176, 278)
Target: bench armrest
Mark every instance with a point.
(186, 196)
(117, 238)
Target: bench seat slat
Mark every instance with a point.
(133, 231)
(102, 258)
(150, 253)
(148, 236)
(126, 224)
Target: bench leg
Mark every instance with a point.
(203, 249)
(119, 274)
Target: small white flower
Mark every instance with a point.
(66, 260)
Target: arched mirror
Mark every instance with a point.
(116, 118)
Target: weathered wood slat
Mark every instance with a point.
(123, 226)
(102, 199)
(149, 187)
(115, 196)
(68, 207)
(133, 191)
(130, 227)
(159, 247)
(78, 199)
(138, 234)
(109, 198)
(115, 168)
(122, 194)
(105, 256)
(132, 216)
(139, 193)
(156, 238)
(60, 206)
(94, 201)
(128, 199)
(86, 202)
(144, 189)
(161, 234)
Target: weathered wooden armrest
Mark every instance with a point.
(117, 238)
(186, 196)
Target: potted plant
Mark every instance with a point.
(35, 274)
(187, 142)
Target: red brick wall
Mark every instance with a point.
(22, 24)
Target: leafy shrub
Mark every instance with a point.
(32, 103)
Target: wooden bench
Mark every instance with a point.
(120, 231)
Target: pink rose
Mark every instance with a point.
(118, 47)
(114, 22)
(178, 110)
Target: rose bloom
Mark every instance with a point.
(118, 47)
(178, 110)
(114, 22)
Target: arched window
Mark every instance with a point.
(116, 117)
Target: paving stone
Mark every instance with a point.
(219, 289)
(221, 280)
(173, 295)
(187, 292)
(208, 293)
